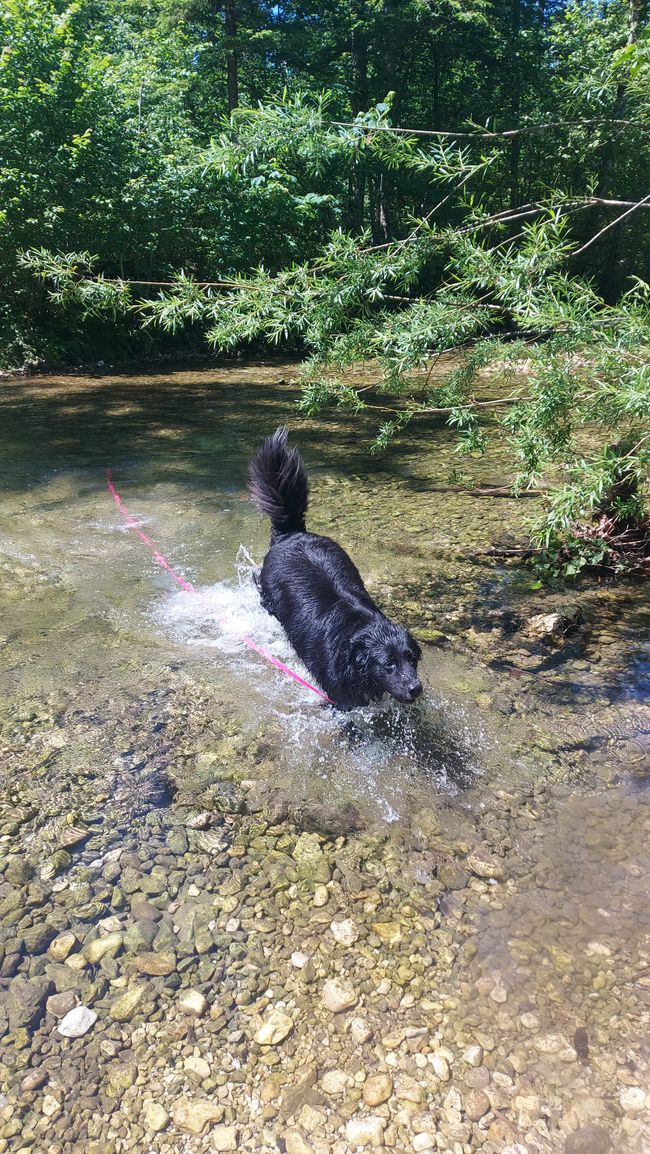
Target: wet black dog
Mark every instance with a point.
(310, 584)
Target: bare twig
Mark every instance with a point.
(437, 411)
(644, 201)
(508, 134)
(165, 283)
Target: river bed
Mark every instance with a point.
(424, 928)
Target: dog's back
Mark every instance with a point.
(316, 592)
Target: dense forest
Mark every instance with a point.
(376, 179)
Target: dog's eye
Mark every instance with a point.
(391, 667)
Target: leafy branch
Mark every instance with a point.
(460, 290)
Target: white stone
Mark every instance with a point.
(299, 959)
(377, 1089)
(440, 1066)
(155, 1117)
(313, 1119)
(473, 1055)
(225, 1138)
(111, 924)
(368, 1131)
(360, 1031)
(530, 1021)
(339, 995)
(345, 932)
(193, 1002)
(296, 1143)
(423, 1141)
(335, 1082)
(321, 895)
(632, 1099)
(194, 1115)
(197, 1065)
(50, 1106)
(599, 948)
(529, 1108)
(549, 1043)
(77, 1022)
(274, 1028)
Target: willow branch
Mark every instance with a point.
(444, 412)
(508, 134)
(639, 204)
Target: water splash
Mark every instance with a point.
(390, 755)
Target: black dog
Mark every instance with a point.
(310, 584)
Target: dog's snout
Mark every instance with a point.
(415, 690)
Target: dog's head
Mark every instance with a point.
(389, 656)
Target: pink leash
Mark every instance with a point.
(161, 560)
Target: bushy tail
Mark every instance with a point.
(278, 483)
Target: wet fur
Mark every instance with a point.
(313, 588)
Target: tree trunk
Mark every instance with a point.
(359, 101)
(515, 101)
(230, 16)
(611, 285)
(379, 209)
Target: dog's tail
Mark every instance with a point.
(279, 485)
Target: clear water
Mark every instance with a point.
(538, 754)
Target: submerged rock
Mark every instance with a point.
(339, 995)
(156, 964)
(483, 865)
(553, 626)
(331, 820)
(77, 1022)
(108, 946)
(310, 859)
(125, 1007)
(25, 1001)
(367, 1131)
(61, 946)
(194, 1115)
(155, 1117)
(274, 1029)
(589, 1140)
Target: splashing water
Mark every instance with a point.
(386, 753)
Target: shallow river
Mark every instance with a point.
(180, 820)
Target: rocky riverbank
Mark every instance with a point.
(209, 975)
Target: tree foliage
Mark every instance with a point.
(384, 181)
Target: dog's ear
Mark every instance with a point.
(361, 652)
(414, 647)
